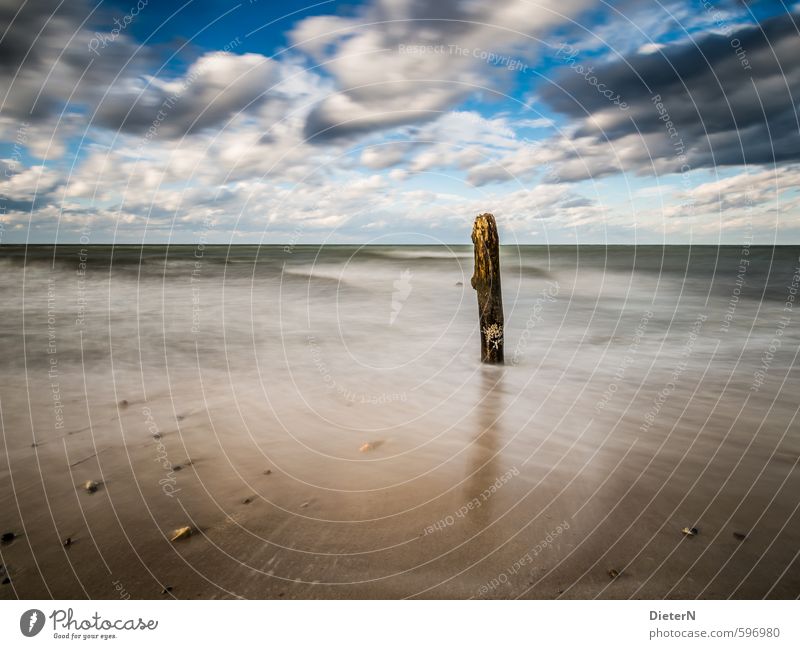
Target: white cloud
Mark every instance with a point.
(385, 154)
(403, 61)
(752, 194)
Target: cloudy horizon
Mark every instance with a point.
(397, 121)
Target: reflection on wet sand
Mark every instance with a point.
(484, 466)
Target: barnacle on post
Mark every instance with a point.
(494, 335)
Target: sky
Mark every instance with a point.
(398, 121)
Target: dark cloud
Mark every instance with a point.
(324, 123)
(47, 60)
(56, 56)
(21, 22)
(214, 88)
(732, 98)
(26, 205)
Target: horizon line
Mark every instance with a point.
(391, 245)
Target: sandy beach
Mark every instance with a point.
(322, 442)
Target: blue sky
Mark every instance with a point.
(399, 120)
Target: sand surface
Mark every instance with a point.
(434, 478)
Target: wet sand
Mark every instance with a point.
(535, 480)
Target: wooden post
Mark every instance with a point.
(486, 281)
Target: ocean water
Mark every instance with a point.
(353, 372)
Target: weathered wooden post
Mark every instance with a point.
(486, 281)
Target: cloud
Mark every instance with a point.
(405, 61)
(731, 99)
(385, 154)
(215, 87)
(26, 189)
(46, 60)
(626, 27)
(746, 195)
(393, 147)
(63, 62)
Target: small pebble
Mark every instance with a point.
(67, 542)
(8, 537)
(613, 573)
(739, 536)
(124, 403)
(247, 501)
(166, 589)
(181, 533)
(156, 435)
(90, 486)
(268, 472)
(690, 532)
(177, 467)
(305, 504)
(6, 581)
